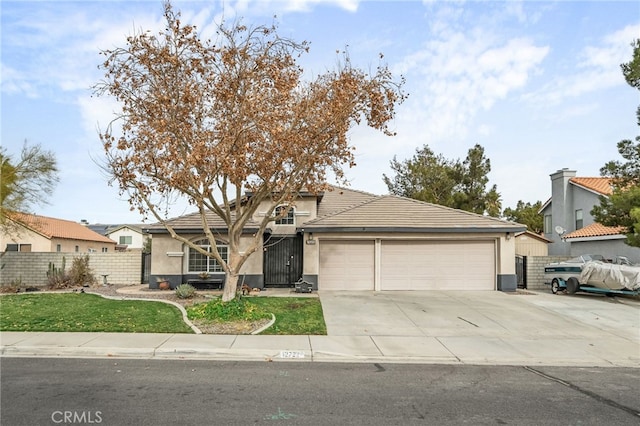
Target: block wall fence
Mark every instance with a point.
(535, 270)
(30, 269)
(125, 268)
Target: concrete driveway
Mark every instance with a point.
(480, 325)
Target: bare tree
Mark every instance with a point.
(211, 121)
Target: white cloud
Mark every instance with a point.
(597, 68)
(306, 5)
(459, 76)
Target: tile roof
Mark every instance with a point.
(332, 200)
(336, 199)
(59, 228)
(192, 222)
(596, 230)
(392, 213)
(601, 185)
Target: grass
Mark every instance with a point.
(294, 315)
(89, 313)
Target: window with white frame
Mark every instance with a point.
(288, 219)
(547, 224)
(579, 219)
(199, 262)
(126, 239)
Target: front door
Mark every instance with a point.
(282, 260)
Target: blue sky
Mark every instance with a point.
(536, 83)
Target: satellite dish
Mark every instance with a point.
(560, 230)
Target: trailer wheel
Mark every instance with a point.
(555, 286)
(572, 285)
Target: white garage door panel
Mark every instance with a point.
(420, 265)
(346, 265)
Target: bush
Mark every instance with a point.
(58, 278)
(80, 273)
(185, 291)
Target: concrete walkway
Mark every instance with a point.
(400, 327)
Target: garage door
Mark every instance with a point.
(446, 265)
(346, 265)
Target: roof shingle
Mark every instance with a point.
(390, 212)
(58, 228)
(601, 185)
(596, 230)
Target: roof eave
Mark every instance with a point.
(597, 238)
(411, 230)
(196, 230)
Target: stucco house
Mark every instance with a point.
(568, 222)
(343, 239)
(34, 233)
(127, 236)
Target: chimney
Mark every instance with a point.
(561, 208)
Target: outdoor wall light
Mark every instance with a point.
(310, 240)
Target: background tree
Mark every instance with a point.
(212, 120)
(426, 177)
(472, 194)
(25, 182)
(452, 183)
(527, 214)
(622, 207)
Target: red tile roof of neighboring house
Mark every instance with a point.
(596, 230)
(601, 185)
(58, 228)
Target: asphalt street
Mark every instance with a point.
(41, 391)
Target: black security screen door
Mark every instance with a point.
(282, 260)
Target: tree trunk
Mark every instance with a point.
(230, 287)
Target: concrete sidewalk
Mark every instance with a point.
(396, 327)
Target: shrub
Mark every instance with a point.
(58, 278)
(80, 272)
(185, 291)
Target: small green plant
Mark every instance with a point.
(234, 310)
(185, 291)
(57, 277)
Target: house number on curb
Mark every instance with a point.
(291, 354)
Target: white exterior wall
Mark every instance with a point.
(137, 239)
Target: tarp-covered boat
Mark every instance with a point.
(610, 276)
(592, 273)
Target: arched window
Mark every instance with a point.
(288, 219)
(198, 262)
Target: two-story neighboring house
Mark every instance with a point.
(34, 233)
(568, 222)
(342, 239)
(127, 237)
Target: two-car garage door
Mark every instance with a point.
(407, 265)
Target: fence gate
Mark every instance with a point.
(146, 267)
(521, 271)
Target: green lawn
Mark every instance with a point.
(294, 315)
(87, 312)
(92, 313)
